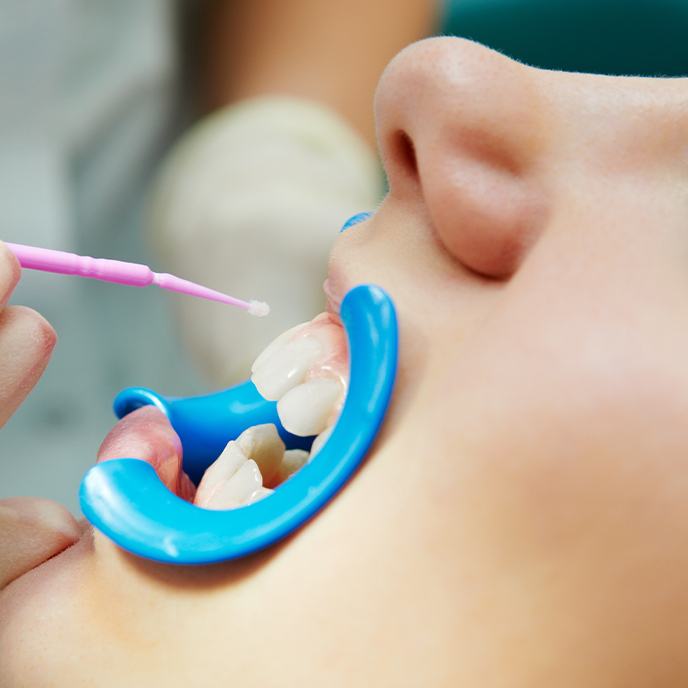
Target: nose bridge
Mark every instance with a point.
(618, 125)
(460, 129)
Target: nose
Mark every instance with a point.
(460, 131)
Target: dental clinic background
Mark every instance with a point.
(92, 95)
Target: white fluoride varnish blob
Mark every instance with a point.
(258, 308)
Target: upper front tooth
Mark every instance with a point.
(285, 366)
(262, 444)
(275, 344)
(306, 409)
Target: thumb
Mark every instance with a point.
(32, 531)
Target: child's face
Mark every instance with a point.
(522, 519)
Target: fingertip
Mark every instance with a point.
(32, 530)
(26, 342)
(37, 330)
(10, 272)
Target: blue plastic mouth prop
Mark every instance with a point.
(125, 499)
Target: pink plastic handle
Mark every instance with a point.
(65, 263)
(132, 274)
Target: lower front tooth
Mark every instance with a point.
(319, 441)
(221, 470)
(259, 494)
(292, 461)
(306, 409)
(234, 491)
(263, 444)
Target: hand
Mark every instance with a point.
(31, 530)
(26, 341)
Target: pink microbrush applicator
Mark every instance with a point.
(120, 272)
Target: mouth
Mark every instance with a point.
(332, 295)
(332, 380)
(306, 371)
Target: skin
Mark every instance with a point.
(31, 530)
(520, 519)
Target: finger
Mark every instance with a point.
(147, 434)
(9, 273)
(26, 342)
(31, 531)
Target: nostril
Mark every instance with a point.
(405, 153)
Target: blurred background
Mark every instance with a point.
(225, 141)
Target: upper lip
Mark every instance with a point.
(335, 286)
(334, 300)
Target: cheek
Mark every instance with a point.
(590, 414)
(571, 459)
(563, 480)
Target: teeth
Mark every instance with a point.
(276, 344)
(229, 481)
(319, 441)
(259, 494)
(234, 492)
(306, 409)
(236, 476)
(292, 461)
(305, 371)
(262, 444)
(219, 472)
(283, 365)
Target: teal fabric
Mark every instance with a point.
(625, 37)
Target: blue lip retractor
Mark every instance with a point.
(125, 499)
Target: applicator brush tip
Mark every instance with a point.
(258, 308)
